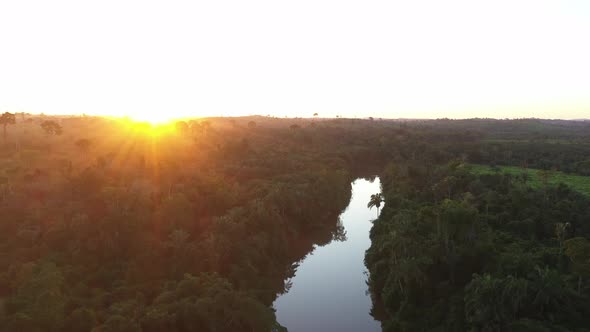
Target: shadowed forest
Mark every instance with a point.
(112, 225)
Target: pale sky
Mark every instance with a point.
(410, 59)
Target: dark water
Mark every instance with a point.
(329, 291)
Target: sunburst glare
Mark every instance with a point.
(153, 118)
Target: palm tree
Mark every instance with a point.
(376, 200)
(561, 232)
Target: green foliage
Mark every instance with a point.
(207, 303)
(39, 300)
(480, 251)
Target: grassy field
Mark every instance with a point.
(576, 182)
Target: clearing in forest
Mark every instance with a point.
(538, 177)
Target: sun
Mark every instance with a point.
(153, 118)
(149, 123)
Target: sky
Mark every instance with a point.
(390, 59)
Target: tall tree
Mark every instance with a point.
(375, 201)
(51, 127)
(6, 119)
(83, 144)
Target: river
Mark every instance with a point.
(329, 291)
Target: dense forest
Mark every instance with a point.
(461, 249)
(112, 225)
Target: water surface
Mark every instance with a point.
(329, 291)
